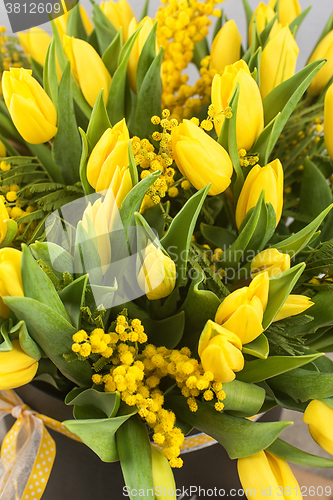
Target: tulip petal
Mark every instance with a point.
(246, 323)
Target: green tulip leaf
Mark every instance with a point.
(105, 31)
(38, 286)
(315, 194)
(72, 297)
(302, 384)
(296, 23)
(133, 200)
(111, 54)
(54, 256)
(66, 148)
(254, 65)
(108, 402)
(248, 12)
(53, 334)
(155, 218)
(288, 452)
(149, 98)
(258, 347)
(144, 11)
(132, 165)
(50, 77)
(45, 156)
(48, 373)
(228, 141)
(116, 105)
(75, 26)
(243, 400)
(5, 345)
(99, 122)
(135, 456)
(263, 369)
(295, 243)
(27, 344)
(10, 233)
(218, 25)
(10, 150)
(327, 28)
(86, 256)
(178, 237)
(147, 56)
(240, 437)
(37, 69)
(199, 306)
(201, 50)
(217, 237)
(264, 35)
(167, 332)
(280, 286)
(98, 435)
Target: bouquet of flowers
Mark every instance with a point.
(166, 256)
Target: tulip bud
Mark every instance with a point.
(200, 158)
(120, 14)
(226, 47)
(220, 352)
(328, 121)
(157, 276)
(110, 152)
(265, 474)
(102, 213)
(88, 68)
(2, 150)
(32, 111)
(324, 50)
(269, 178)
(295, 304)
(250, 112)
(147, 26)
(10, 277)
(35, 43)
(288, 11)
(164, 481)
(270, 260)
(16, 368)
(319, 418)
(278, 60)
(242, 311)
(264, 14)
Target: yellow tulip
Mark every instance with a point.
(200, 158)
(3, 217)
(288, 11)
(278, 60)
(157, 276)
(147, 25)
(319, 418)
(16, 368)
(102, 213)
(2, 150)
(242, 311)
(226, 47)
(270, 260)
(265, 475)
(220, 352)
(328, 121)
(35, 43)
(250, 112)
(295, 304)
(324, 50)
(110, 152)
(88, 68)
(264, 14)
(163, 478)
(269, 178)
(10, 277)
(120, 14)
(32, 111)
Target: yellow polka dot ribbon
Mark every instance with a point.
(28, 450)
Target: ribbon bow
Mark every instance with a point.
(27, 451)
